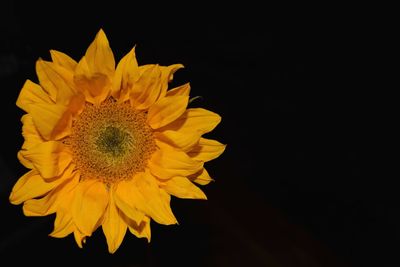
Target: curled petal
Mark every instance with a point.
(167, 74)
(80, 238)
(140, 230)
(202, 177)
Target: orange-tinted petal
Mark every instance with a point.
(114, 227)
(168, 162)
(183, 188)
(89, 204)
(166, 110)
(32, 93)
(49, 158)
(206, 150)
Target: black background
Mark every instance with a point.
(292, 188)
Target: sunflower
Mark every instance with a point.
(108, 146)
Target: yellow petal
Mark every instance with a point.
(79, 238)
(114, 227)
(44, 81)
(49, 203)
(182, 187)
(76, 104)
(202, 177)
(140, 230)
(53, 79)
(183, 90)
(27, 163)
(126, 197)
(63, 60)
(146, 89)
(30, 133)
(167, 73)
(182, 140)
(194, 120)
(40, 207)
(126, 74)
(166, 110)
(206, 150)
(89, 204)
(63, 224)
(95, 86)
(31, 185)
(168, 162)
(100, 58)
(153, 203)
(49, 158)
(52, 121)
(32, 93)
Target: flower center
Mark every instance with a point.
(111, 142)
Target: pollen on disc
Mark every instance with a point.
(111, 142)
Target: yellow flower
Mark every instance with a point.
(108, 146)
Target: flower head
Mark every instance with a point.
(108, 146)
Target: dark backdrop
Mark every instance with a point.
(291, 188)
